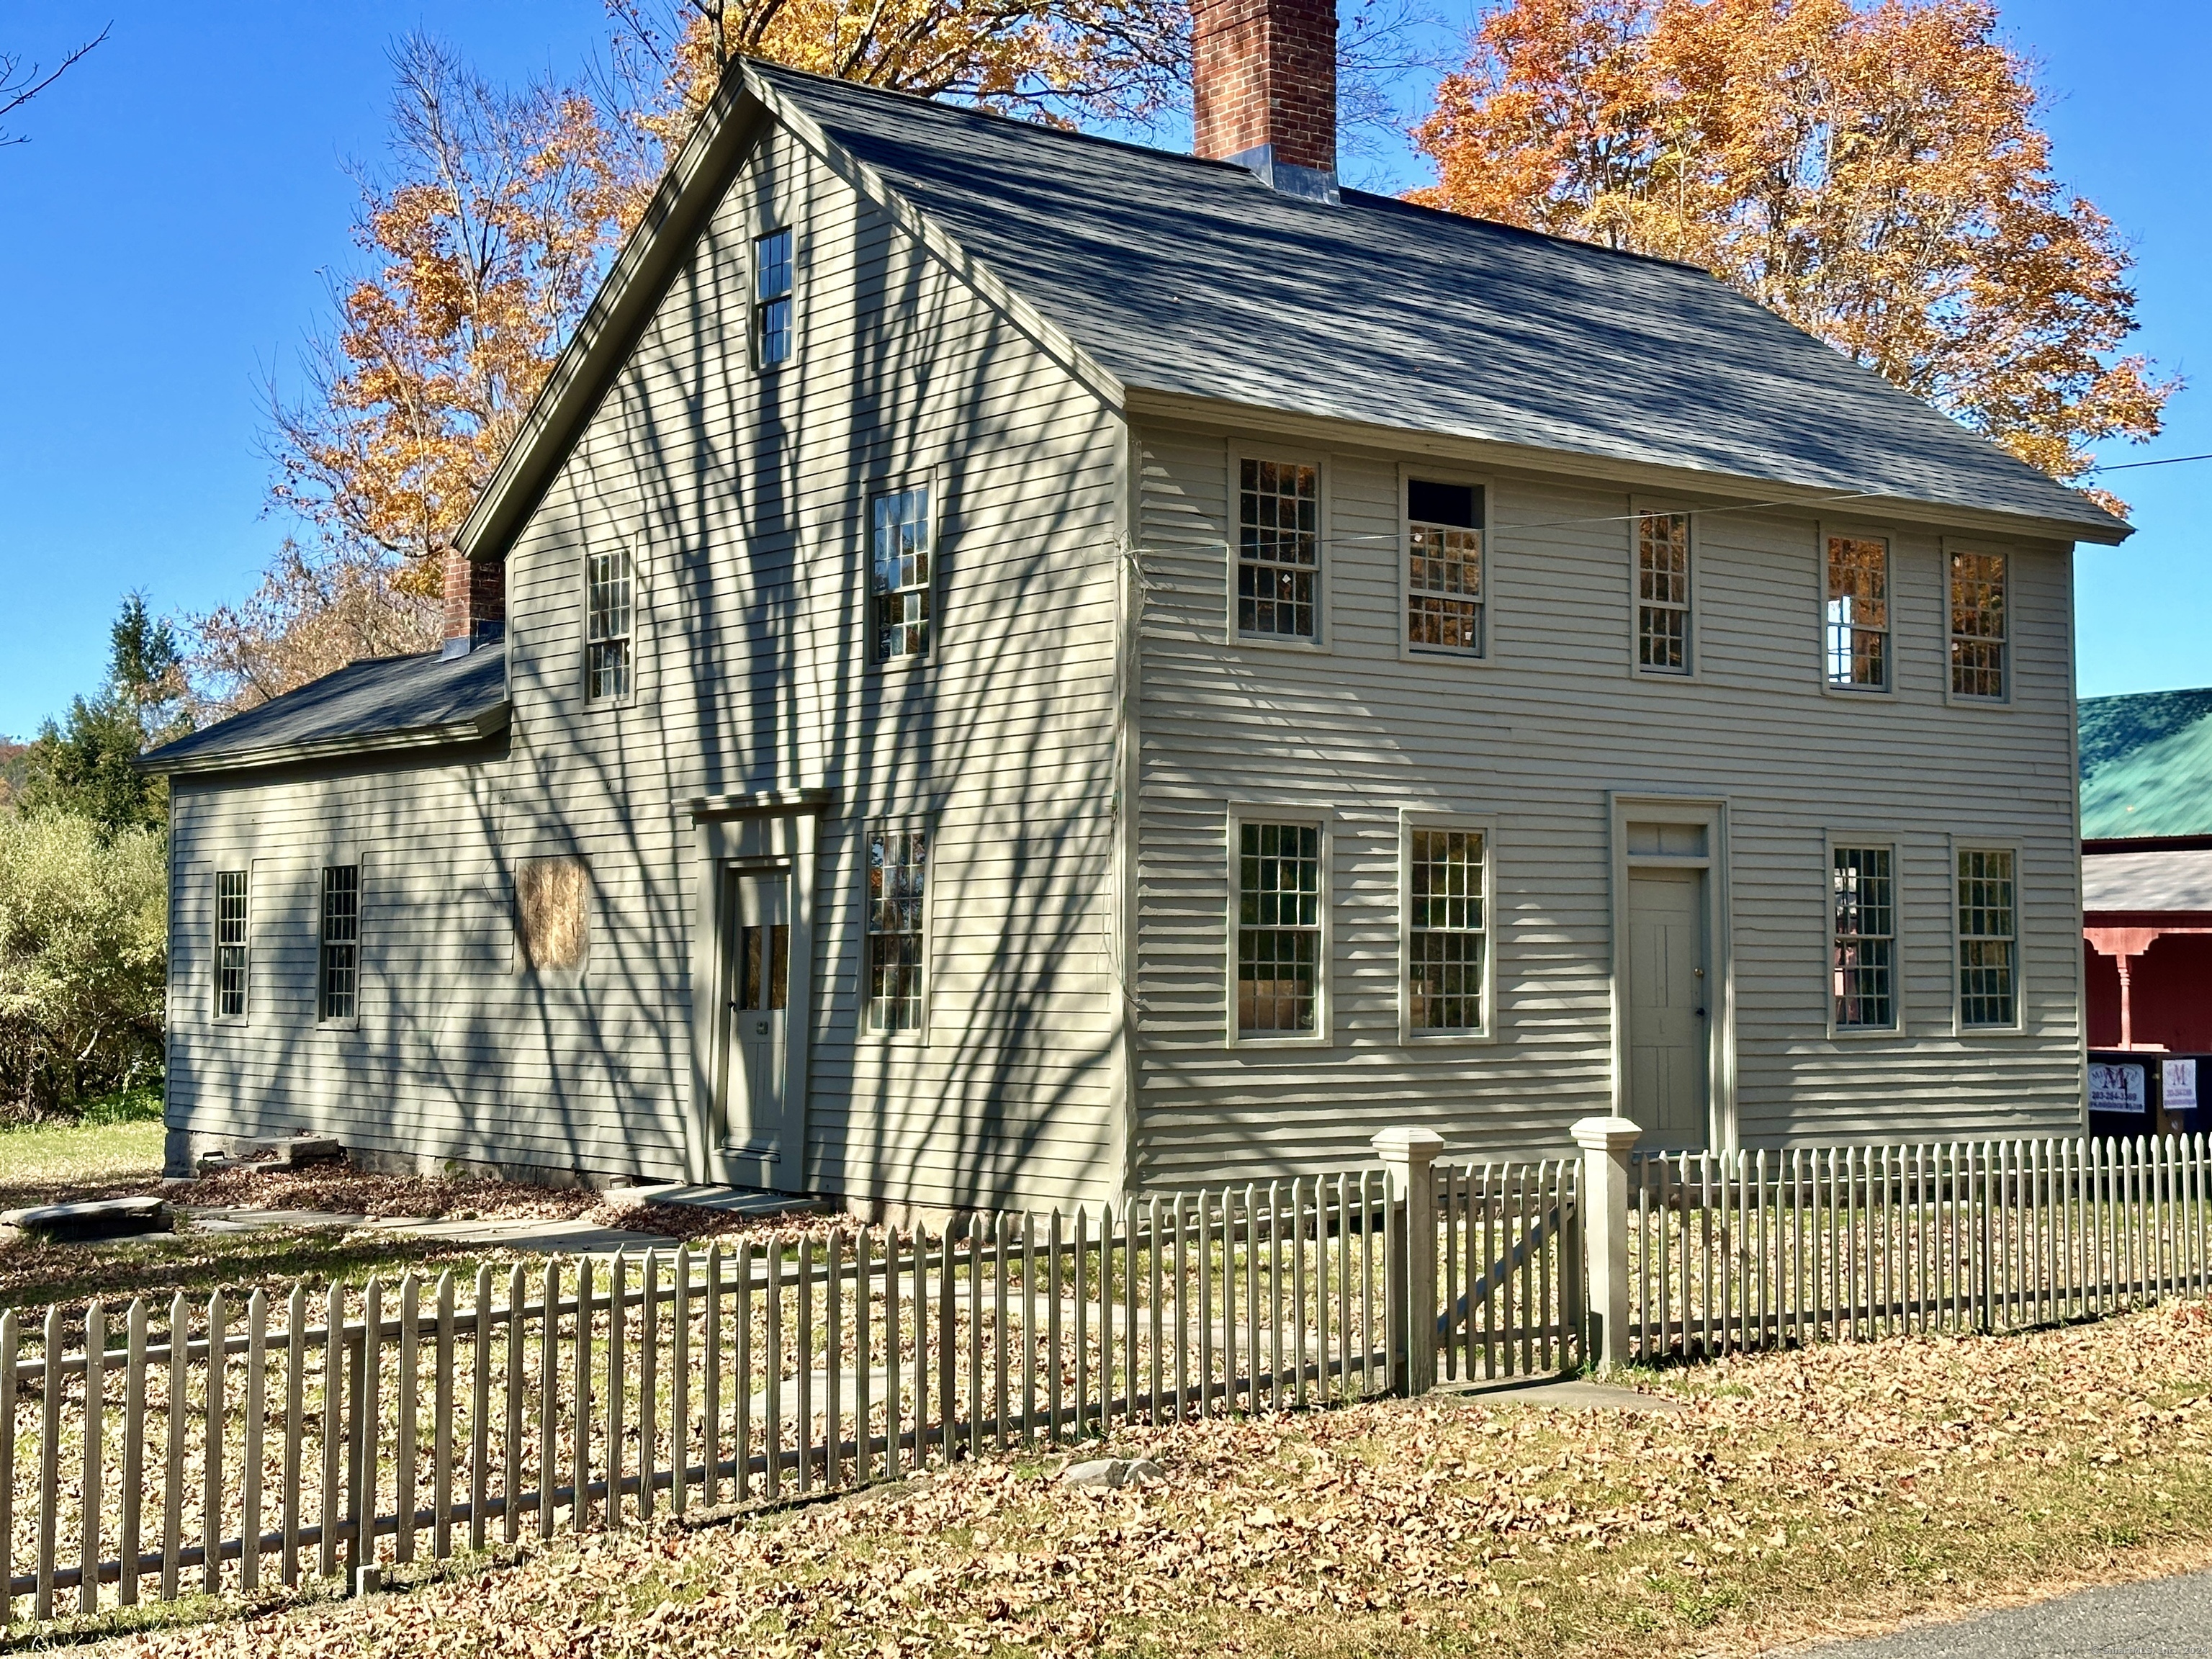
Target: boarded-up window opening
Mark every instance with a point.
(552, 929)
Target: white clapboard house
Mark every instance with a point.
(1006, 667)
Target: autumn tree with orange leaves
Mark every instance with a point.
(1874, 173)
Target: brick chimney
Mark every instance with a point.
(1263, 83)
(476, 602)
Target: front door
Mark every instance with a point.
(757, 983)
(1669, 1008)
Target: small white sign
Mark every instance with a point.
(2181, 1093)
(2115, 1088)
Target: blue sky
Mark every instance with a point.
(167, 236)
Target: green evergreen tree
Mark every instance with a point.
(82, 766)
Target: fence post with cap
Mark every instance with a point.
(1605, 1143)
(1409, 1256)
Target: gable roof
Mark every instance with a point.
(2146, 765)
(382, 703)
(1192, 279)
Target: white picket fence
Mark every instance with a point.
(1761, 1248)
(219, 1447)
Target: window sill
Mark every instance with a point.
(1864, 1033)
(1443, 656)
(1314, 1040)
(1280, 643)
(2001, 705)
(1858, 693)
(1412, 1039)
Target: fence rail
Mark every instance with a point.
(1761, 1248)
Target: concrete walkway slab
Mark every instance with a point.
(723, 1200)
(546, 1237)
(2155, 1619)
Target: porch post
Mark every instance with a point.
(1605, 1143)
(1408, 1157)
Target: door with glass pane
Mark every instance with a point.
(1670, 1008)
(754, 1096)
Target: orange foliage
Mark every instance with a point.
(1874, 173)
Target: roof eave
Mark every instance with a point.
(479, 729)
(1585, 464)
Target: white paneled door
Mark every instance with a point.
(757, 931)
(1669, 1008)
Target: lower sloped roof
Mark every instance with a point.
(380, 703)
(2146, 765)
(1193, 278)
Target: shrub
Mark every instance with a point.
(82, 959)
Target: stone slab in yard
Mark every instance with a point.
(1572, 1393)
(102, 1218)
(723, 1200)
(550, 1237)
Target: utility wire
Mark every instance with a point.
(2124, 466)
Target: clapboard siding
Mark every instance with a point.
(743, 498)
(1533, 739)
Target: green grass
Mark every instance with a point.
(41, 1162)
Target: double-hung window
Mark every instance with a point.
(897, 886)
(1443, 568)
(1977, 626)
(1989, 937)
(1863, 890)
(1279, 929)
(1858, 620)
(1446, 934)
(339, 959)
(900, 556)
(608, 613)
(772, 314)
(231, 962)
(1663, 593)
(1278, 550)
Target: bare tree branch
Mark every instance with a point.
(18, 85)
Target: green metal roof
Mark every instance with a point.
(2147, 764)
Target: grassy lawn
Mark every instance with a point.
(1795, 1496)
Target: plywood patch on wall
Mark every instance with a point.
(552, 912)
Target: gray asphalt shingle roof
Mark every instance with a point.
(384, 702)
(1189, 276)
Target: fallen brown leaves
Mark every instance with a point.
(1795, 1494)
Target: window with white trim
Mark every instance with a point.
(1443, 568)
(608, 613)
(1857, 644)
(1988, 929)
(1278, 929)
(339, 958)
(1978, 625)
(1663, 593)
(1446, 936)
(1278, 550)
(772, 317)
(1863, 889)
(898, 879)
(231, 962)
(900, 558)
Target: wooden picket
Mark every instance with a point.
(1762, 1249)
(314, 1433)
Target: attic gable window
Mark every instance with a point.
(901, 578)
(1278, 550)
(772, 332)
(607, 626)
(1443, 568)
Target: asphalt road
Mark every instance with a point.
(2158, 1618)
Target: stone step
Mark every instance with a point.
(92, 1219)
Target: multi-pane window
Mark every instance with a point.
(230, 949)
(1989, 927)
(339, 967)
(1278, 549)
(1444, 567)
(1858, 613)
(897, 874)
(1663, 593)
(1978, 625)
(1278, 928)
(900, 556)
(1863, 888)
(772, 336)
(1444, 931)
(607, 624)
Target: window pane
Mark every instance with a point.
(1858, 612)
(607, 624)
(340, 940)
(1443, 570)
(1278, 548)
(1662, 591)
(901, 575)
(1863, 890)
(1278, 930)
(1978, 625)
(772, 297)
(1987, 932)
(1445, 939)
(230, 958)
(897, 861)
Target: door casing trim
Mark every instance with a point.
(1709, 813)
